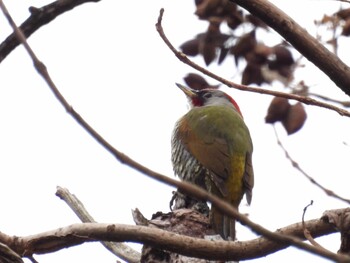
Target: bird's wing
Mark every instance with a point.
(248, 178)
(213, 153)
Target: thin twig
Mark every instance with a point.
(312, 180)
(341, 102)
(185, 187)
(121, 250)
(306, 232)
(183, 58)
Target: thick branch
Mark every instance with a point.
(38, 18)
(76, 234)
(301, 40)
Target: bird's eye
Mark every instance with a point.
(207, 95)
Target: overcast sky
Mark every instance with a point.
(109, 62)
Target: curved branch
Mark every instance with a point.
(183, 58)
(38, 18)
(119, 249)
(301, 40)
(76, 234)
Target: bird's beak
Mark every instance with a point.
(189, 92)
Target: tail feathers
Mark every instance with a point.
(223, 225)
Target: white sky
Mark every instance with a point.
(109, 62)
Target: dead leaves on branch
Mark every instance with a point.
(206, 44)
(338, 23)
(343, 20)
(263, 63)
(223, 10)
(292, 117)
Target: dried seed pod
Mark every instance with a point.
(244, 45)
(197, 82)
(191, 47)
(295, 119)
(208, 50)
(283, 55)
(278, 110)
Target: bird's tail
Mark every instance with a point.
(222, 224)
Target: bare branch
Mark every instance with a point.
(312, 180)
(119, 249)
(183, 58)
(301, 40)
(76, 234)
(343, 103)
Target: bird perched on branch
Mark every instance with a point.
(212, 148)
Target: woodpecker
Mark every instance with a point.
(212, 148)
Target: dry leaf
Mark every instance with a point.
(346, 28)
(252, 74)
(278, 110)
(197, 82)
(245, 44)
(295, 119)
(191, 47)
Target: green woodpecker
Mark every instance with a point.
(212, 148)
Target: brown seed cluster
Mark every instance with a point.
(292, 117)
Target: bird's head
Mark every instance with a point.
(208, 97)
